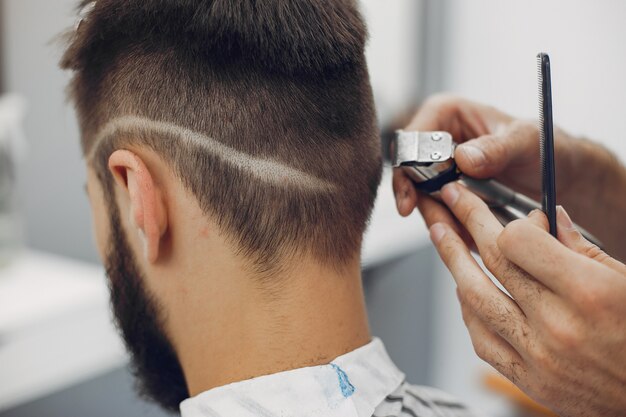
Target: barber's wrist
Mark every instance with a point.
(599, 169)
(595, 194)
(586, 166)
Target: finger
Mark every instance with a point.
(485, 229)
(556, 266)
(494, 308)
(492, 348)
(405, 192)
(539, 219)
(569, 235)
(475, 217)
(435, 212)
(460, 117)
(489, 155)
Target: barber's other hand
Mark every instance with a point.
(561, 336)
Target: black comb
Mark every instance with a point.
(546, 141)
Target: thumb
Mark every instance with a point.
(569, 236)
(483, 157)
(488, 156)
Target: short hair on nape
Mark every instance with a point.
(266, 117)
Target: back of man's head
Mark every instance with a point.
(263, 109)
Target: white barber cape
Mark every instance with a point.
(361, 383)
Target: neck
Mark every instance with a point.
(303, 318)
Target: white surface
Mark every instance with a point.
(37, 286)
(55, 327)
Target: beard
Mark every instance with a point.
(153, 361)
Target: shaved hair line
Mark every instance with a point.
(264, 169)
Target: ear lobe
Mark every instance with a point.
(146, 208)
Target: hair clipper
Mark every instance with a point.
(427, 158)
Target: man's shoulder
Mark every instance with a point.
(414, 400)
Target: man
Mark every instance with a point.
(233, 162)
(561, 336)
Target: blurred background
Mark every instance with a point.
(59, 354)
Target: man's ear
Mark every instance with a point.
(146, 207)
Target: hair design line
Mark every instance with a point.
(265, 169)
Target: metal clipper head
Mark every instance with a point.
(422, 155)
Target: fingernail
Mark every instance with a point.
(475, 155)
(450, 194)
(563, 219)
(437, 232)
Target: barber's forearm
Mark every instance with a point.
(596, 197)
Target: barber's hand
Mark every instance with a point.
(561, 336)
(495, 145)
(492, 144)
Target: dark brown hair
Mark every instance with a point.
(282, 80)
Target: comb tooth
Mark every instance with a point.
(542, 137)
(540, 92)
(547, 143)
